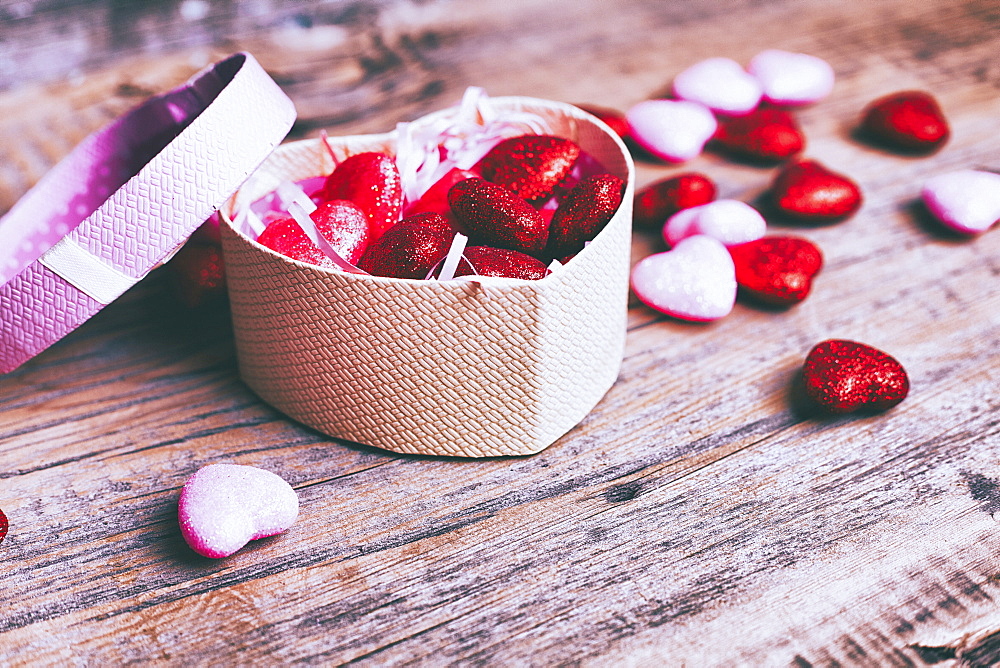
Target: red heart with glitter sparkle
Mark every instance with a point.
(372, 181)
(844, 376)
(410, 248)
(910, 121)
(531, 166)
(583, 213)
(197, 274)
(776, 270)
(658, 201)
(765, 134)
(495, 216)
(806, 191)
(489, 261)
(342, 223)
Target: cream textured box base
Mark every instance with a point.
(457, 368)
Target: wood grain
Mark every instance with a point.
(700, 515)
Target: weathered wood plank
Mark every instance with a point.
(699, 515)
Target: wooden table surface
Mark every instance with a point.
(696, 517)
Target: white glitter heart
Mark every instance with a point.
(671, 129)
(694, 281)
(727, 220)
(225, 506)
(966, 200)
(720, 84)
(792, 78)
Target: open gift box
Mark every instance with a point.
(480, 367)
(464, 367)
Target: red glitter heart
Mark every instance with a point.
(197, 274)
(765, 134)
(662, 199)
(371, 181)
(3, 526)
(341, 222)
(410, 248)
(612, 117)
(776, 270)
(583, 213)
(845, 376)
(908, 121)
(531, 166)
(808, 192)
(489, 261)
(495, 216)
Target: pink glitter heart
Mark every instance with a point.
(225, 506)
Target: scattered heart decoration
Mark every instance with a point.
(720, 84)
(674, 130)
(612, 117)
(658, 201)
(225, 506)
(776, 270)
(3, 526)
(967, 200)
(809, 192)
(908, 121)
(842, 376)
(726, 220)
(791, 78)
(197, 274)
(764, 135)
(694, 281)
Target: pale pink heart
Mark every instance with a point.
(967, 200)
(792, 78)
(727, 220)
(674, 130)
(225, 506)
(720, 84)
(694, 281)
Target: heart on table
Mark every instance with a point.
(791, 78)
(658, 201)
(776, 270)
(765, 135)
(842, 376)
(967, 200)
(720, 84)
(695, 281)
(225, 506)
(807, 191)
(729, 221)
(675, 130)
(909, 121)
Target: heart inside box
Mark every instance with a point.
(458, 368)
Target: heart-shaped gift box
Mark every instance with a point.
(471, 368)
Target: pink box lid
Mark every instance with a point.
(127, 197)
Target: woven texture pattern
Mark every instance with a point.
(454, 368)
(130, 194)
